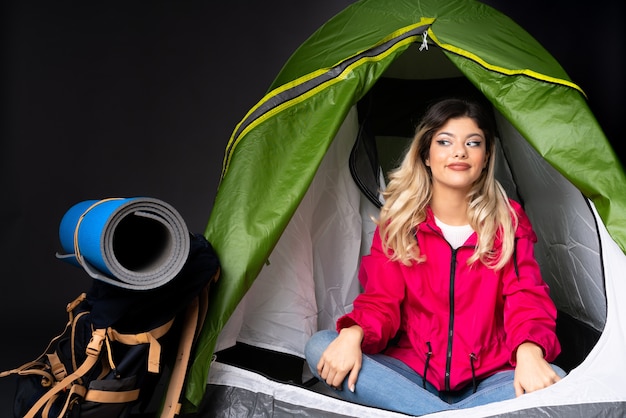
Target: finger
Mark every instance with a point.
(519, 390)
(335, 381)
(320, 367)
(354, 374)
(328, 379)
(550, 380)
(323, 371)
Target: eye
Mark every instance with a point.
(443, 142)
(473, 143)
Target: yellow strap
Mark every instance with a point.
(46, 378)
(73, 338)
(57, 367)
(37, 366)
(75, 392)
(105, 366)
(141, 338)
(110, 364)
(93, 351)
(77, 254)
(194, 320)
(172, 405)
(104, 396)
(22, 368)
(32, 367)
(149, 337)
(73, 304)
(46, 411)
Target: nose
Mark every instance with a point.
(459, 151)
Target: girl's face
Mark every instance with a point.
(458, 154)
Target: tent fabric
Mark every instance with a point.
(278, 147)
(256, 395)
(597, 378)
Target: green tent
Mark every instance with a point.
(434, 47)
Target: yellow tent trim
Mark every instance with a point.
(507, 71)
(234, 141)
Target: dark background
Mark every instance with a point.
(140, 100)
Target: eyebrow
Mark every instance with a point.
(469, 136)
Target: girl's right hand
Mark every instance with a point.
(343, 356)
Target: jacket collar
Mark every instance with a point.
(429, 226)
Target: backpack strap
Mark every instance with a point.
(38, 366)
(103, 396)
(93, 353)
(148, 337)
(193, 322)
(172, 404)
(75, 392)
(75, 319)
(33, 367)
(57, 367)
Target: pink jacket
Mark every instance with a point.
(452, 323)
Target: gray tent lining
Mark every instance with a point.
(567, 253)
(582, 310)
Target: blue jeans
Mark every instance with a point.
(387, 383)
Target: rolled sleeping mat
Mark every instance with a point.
(135, 243)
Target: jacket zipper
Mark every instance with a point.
(451, 322)
(451, 314)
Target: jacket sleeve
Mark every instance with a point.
(377, 308)
(529, 312)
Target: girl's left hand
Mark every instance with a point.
(532, 372)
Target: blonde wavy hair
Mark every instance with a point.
(409, 192)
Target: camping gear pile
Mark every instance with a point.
(126, 346)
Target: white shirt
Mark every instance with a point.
(456, 235)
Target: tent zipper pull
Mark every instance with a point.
(424, 42)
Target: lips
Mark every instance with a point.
(459, 166)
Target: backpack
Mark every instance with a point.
(123, 352)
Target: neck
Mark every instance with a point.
(450, 206)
